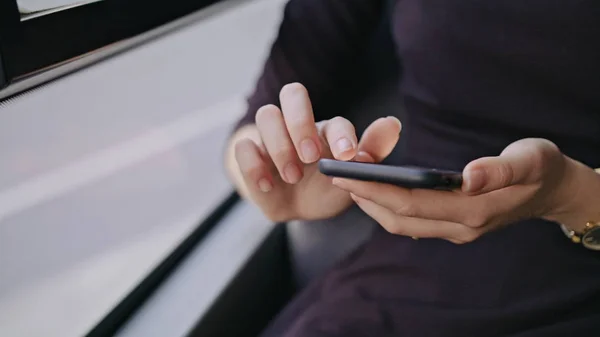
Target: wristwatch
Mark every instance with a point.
(589, 237)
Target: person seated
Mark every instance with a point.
(508, 92)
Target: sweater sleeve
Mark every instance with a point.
(319, 44)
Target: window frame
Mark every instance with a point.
(36, 45)
(123, 310)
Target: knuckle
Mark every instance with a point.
(391, 226)
(408, 210)
(392, 229)
(301, 121)
(538, 158)
(550, 150)
(337, 120)
(505, 174)
(475, 220)
(241, 150)
(241, 146)
(542, 153)
(276, 216)
(341, 125)
(282, 154)
(253, 172)
(467, 236)
(541, 145)
(547, 153)
(470, 236)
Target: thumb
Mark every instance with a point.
(521, 162)
(380, 138)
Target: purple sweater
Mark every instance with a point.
(477, 75)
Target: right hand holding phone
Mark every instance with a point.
(279, 166)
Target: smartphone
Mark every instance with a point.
(405, 176)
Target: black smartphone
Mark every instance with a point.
(405, 176)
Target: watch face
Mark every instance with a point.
(591, 239)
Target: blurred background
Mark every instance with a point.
(113, 119)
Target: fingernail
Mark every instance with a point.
(292, 173)
(343, 145)
(474, 180)
(396, 120)
(310, 152)
(265, 185)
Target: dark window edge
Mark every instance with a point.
(266, 279)
(15, 84)
(119, 315)
(2, 77)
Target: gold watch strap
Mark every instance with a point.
(575, 236)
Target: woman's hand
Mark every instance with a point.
(273, 163)
(530, 179)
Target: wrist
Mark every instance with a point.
(578, 199)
